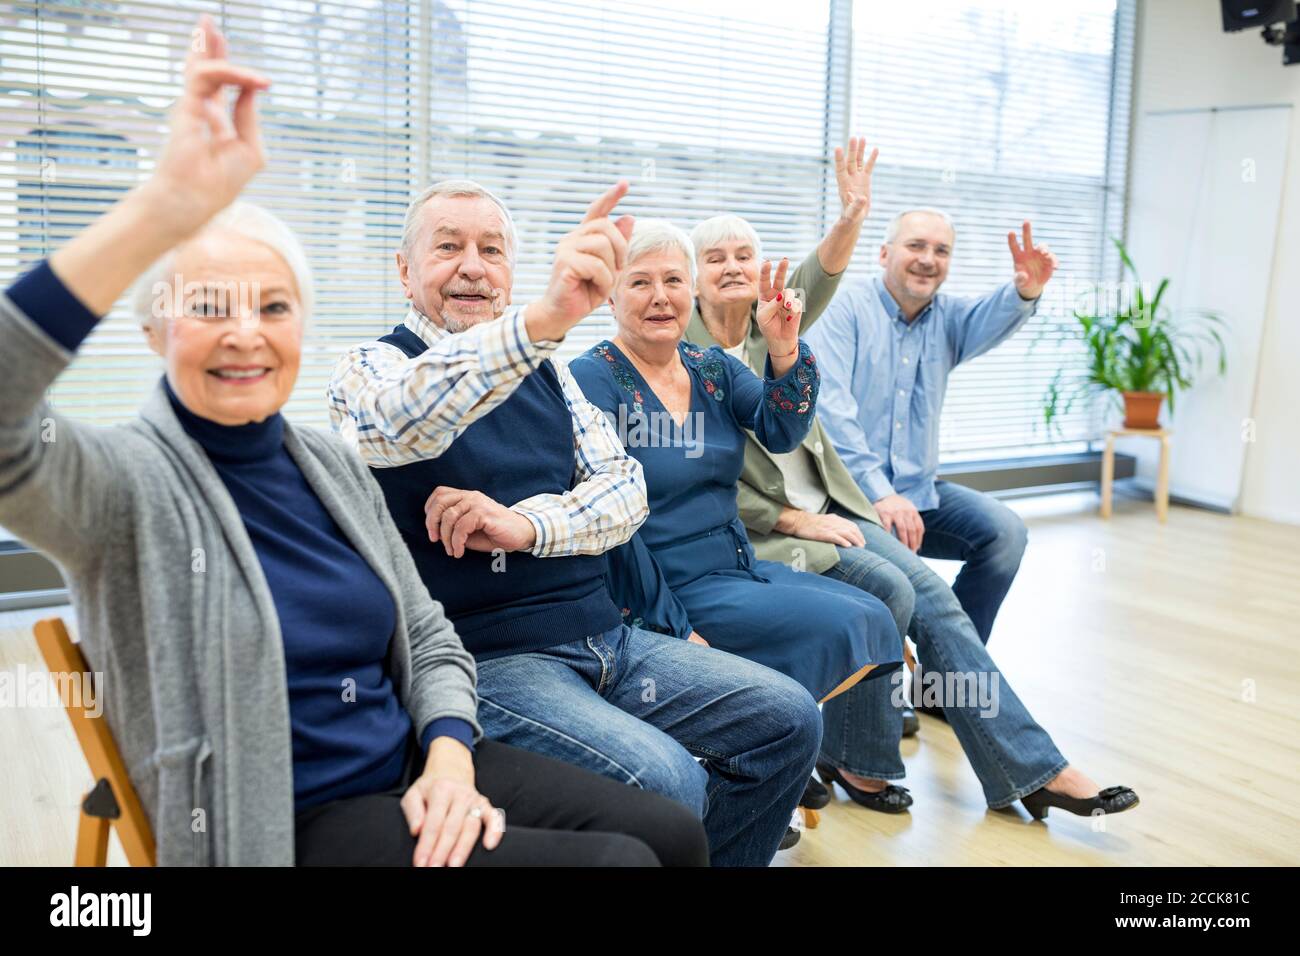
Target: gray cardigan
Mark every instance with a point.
(174, 612)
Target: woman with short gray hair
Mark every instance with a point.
(270, 657)
(683, 412)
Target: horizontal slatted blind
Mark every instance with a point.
(994, 110)
(998, 112)
(82, 115)
(546, 103)
(84, 99)
(703, 108)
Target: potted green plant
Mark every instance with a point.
(1138, 350)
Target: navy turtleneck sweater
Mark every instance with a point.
(336, 617)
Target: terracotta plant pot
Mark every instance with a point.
(1142, 409)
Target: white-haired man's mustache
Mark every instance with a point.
(483, 290)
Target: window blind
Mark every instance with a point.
(84, 98)
(996, 111)
(703, 109)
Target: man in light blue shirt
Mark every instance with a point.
(885, 348)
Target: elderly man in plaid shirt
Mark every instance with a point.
(508, 486)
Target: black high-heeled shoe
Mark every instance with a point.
(893, 799)
(1110, 800)
(815, 795)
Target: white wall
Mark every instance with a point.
(1186, 61)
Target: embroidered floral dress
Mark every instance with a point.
(691, 567)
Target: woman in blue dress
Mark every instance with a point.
(682, 412)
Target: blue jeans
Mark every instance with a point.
(1010, 753)
(641, 707)
(972, 527)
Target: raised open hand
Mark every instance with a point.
(212, 150)
(1034, 265)
(853, 176)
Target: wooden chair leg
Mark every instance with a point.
(848, 683)
(1107, 476)
(92, 840)
(811, 818)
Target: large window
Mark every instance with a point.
(702, 107)
(1000, 112)
(994, 110)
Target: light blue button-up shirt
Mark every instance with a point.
(883, 378)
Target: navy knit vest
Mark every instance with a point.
(523, 447)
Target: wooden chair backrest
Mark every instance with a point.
(62, 657)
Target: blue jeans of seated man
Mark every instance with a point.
(640, 707)
(988, 536)
(1009, 752)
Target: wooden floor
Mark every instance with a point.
(1136, 645)
(1166, 658)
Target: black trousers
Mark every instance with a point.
(556, 815)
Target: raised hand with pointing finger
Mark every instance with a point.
(587, 262)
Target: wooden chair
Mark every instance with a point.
(112, 801)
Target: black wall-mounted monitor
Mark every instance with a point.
(1244, 14)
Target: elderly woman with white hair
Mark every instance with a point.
(281, 685)
(683, 411)
(729, 253)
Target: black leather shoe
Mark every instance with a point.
(815, 795)
(892, 799)
(790, 839)
(1110, 800)
(911, 723)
